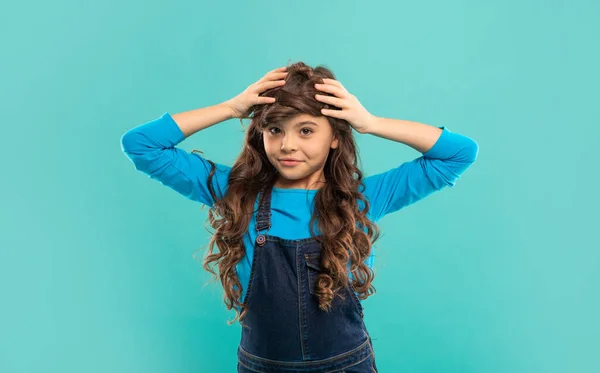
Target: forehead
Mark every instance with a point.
(305, 119)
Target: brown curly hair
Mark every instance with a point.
(336, 208)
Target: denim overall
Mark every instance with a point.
(284, 330)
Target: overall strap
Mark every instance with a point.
(263, 218)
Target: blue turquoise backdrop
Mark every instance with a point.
(499, 274)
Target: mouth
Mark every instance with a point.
(289, 162)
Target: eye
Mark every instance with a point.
(307, 129)
(273, 128)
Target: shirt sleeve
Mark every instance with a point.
(412, 181)
(151, 148)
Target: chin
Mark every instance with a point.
(290, 175)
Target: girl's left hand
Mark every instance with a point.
(352, 110)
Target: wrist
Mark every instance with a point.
(230, 111)
(371, 125)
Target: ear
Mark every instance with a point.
(335, 143)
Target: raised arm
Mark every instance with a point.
(152, 146)
(152, 149)
(446, 155)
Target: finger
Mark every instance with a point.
(280, 75)
(267, 100)
(277, 71)
(273, 76)
(261, 87)
(282, 68)
(337, 91)
(269, 84)
(333, 113)
(336, 83)
(337, 102)
(332, 82)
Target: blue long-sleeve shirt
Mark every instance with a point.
(152, 149)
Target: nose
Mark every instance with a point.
(288, 144)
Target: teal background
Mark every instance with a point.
(100, 265)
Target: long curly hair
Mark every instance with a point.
(345, 232)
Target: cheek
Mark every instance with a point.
(269, 146)
(322, 150)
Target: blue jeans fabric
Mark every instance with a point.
(284, 330)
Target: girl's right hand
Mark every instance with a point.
(250, 96)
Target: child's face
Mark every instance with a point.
(308, 143)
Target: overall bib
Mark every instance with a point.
(284, 330)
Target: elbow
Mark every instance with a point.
(473, 151)
(131, 147)
(470, 151)
(128, 141)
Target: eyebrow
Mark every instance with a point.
(301, 123)
(306, 122)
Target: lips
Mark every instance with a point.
(289, 162)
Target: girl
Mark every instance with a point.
(294, 219)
